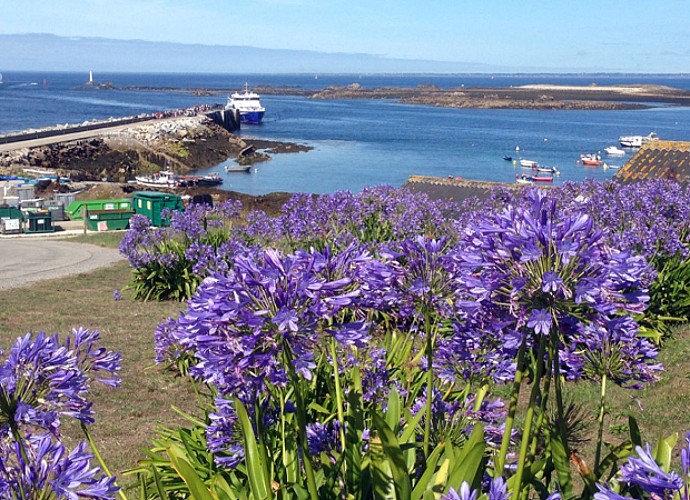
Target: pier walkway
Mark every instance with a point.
(36, 138)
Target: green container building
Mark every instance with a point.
(152, 203)
(76, 208)
(108, 220)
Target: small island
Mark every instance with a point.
(548, 97)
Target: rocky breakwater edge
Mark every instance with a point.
(109, 162)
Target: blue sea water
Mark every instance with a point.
(368, 142)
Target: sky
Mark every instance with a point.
(520, 35)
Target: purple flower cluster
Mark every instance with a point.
(41, 381)
(533, 271)
(642, 477)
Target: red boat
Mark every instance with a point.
(542, 178)
(591, 159)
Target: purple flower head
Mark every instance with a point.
(41, 378)
(643, 471)
(465, 493)
(41, 468)
(540, 321)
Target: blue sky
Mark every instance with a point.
(581, 35)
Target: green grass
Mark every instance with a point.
(126, 417)
(106, 239)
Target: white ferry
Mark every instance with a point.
(249, 106)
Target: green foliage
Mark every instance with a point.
(172, 279)
(669, 295)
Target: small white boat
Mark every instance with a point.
(636, 141)
(523, 179)
(164, 178)
(238, 168)
(606, 166)
(614, 151)
(549, 170)
(528, 163)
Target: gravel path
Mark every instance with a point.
(24, 261)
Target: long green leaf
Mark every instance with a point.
(423, 483)
(561, 463)
(196, 486)
(469, 460)
(258, 482)
(396, 461)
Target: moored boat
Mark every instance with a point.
(522, 179)
(248, 104)
(237, 168)
(164, 178)
(548, 170)
(636, 141)
(528, 163)
(591, 159)
(614, 151)
(542, 178)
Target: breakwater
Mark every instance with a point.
(227, 119)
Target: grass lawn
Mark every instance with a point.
(126, 417)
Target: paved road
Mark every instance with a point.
(23, 261)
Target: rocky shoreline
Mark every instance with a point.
(105, 166)
(184, 144)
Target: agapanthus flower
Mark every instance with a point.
(40, 467)
(465, 493)
(51, 378)
(643, 471)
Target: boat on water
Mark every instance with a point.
(164, 178)
(523, 179)
(542, 178)
(636, 141)
(591, 159)
(248, 104)
(508, 158)
(548, 170)
(606, 166)
(528, 163)
(209, 180)
(614, 151)
(201, 181)
(238, 168)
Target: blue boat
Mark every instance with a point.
(248, 104)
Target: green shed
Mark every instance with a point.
(152, 203)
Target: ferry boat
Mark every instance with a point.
(249, 106)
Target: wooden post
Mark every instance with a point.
(84, 214)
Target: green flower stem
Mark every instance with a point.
(529, 417)
(542, 408)
(99, 457)
(338, 393)
(500, 461)
(602, 414)
(429, 382)
(301, 424)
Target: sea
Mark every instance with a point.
(360, 143)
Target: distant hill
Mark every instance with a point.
(45, 52)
